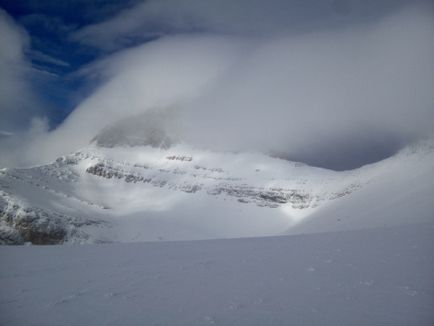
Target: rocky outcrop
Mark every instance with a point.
(34, 226)
(151, 128)
(264, 197)
(261, 196)
(180, 158)
(40, 231)
(20, 224)
(10, 236)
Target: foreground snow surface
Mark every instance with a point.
(381, 276)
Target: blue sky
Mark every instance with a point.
(49, 24)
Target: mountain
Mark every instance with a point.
(109, 192)
(360, 250)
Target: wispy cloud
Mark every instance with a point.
(153, 18)
(45, 58)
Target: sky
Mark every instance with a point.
(335, 83)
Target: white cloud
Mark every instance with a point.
(18, 103)
(242, 17)
(283, 93)
(162, 74)
(22, 113)
(318, 90)
(296, 94)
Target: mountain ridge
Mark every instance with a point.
(125, 194)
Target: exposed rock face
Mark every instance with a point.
(40, 230)
(104, 171)
(151, 128)
(180, 158)
(10, 236)
(30, 225)
(109, 172)
(20, 224)
(264, 197)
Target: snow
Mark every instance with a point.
(399, 191)
(176, 194)
(342, 248)
(380, 276)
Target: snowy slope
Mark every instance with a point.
(399, 191)
(373, 277)
(143, 193)
(378, 271)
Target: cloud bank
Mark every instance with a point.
(153, 18)
(18, 103)
(22, 112)
(330, 96)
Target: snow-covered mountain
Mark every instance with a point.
(147, 193)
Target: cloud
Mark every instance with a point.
(22, 112)
(367, 87)
(325, 90)
(45, 58)
(303, 95)
(18, 149)
(155, 18)
(158, 75)
(18, 102)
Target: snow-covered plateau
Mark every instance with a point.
(314, 247)
(381, 276)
